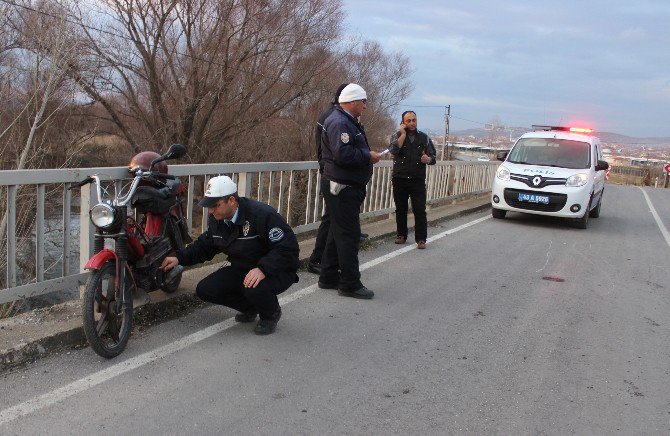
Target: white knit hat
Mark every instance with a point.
(352, 92)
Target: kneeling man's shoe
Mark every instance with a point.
(362, 293)
(246, 316)
(268, 326)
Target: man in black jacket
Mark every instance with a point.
(261, 248)
(412, 150)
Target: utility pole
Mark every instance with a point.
(447, 114)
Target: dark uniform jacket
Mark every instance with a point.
(260, 238)
(319, 131)
(345, 150)
(407, 159)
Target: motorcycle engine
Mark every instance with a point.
(148, 274)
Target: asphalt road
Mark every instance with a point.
(513, 326)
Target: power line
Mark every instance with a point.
(470, 121)
(444, 106)
(418, 105)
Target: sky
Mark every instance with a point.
(601, 63)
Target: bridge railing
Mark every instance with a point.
(638, 176)
(47, 235)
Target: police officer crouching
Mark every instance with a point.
(261, 248)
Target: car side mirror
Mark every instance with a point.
(602, 165)
(502, 155)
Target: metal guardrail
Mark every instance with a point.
(638, 176)
(51, 261)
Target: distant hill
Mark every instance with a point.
(607, 137)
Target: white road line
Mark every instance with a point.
(664, 230)
(41, 401)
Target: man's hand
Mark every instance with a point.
(169, 263)
(403, 134)
(253, 278)
(426, 159)
(375, 157)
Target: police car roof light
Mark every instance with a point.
(563, 129)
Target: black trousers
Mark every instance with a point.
(321, 237)
(414, 189)
(224, 286)
(344, 237)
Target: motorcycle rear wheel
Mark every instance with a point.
(106, 331)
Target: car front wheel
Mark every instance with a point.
(583, 222)
(498, 213)
(595, 212)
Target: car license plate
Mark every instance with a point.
(532, 198)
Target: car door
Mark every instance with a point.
(599, 177)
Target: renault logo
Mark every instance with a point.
(537, 180)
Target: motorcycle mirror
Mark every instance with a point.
(175, 151)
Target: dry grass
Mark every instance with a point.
(106, 150)
(624, 179)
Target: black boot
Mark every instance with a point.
(268, 326)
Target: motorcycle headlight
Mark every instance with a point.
(103, 216)
(577, 180)
(502, 173)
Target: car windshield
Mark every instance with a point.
(551, 152)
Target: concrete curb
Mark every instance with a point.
(41, 332)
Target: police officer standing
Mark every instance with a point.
(262, 250)
(314, 264)
(347, 161)
(412, 150)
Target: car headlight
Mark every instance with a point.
(103, 216)
(502, 173)
(577, 180)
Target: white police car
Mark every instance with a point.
(555, 171)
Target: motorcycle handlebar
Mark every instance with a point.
(162, 175)
(86, 181)
(122, 201)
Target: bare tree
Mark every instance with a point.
(36, 131)
(202, 72)
(385, 78)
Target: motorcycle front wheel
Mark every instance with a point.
(106, 329)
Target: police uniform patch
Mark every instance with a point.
(345, 137)
(245, 229)
(276, 234)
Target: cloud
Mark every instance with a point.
(633, 34)
(532, 59)
(468, 100)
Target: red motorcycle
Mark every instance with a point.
(139, 246)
